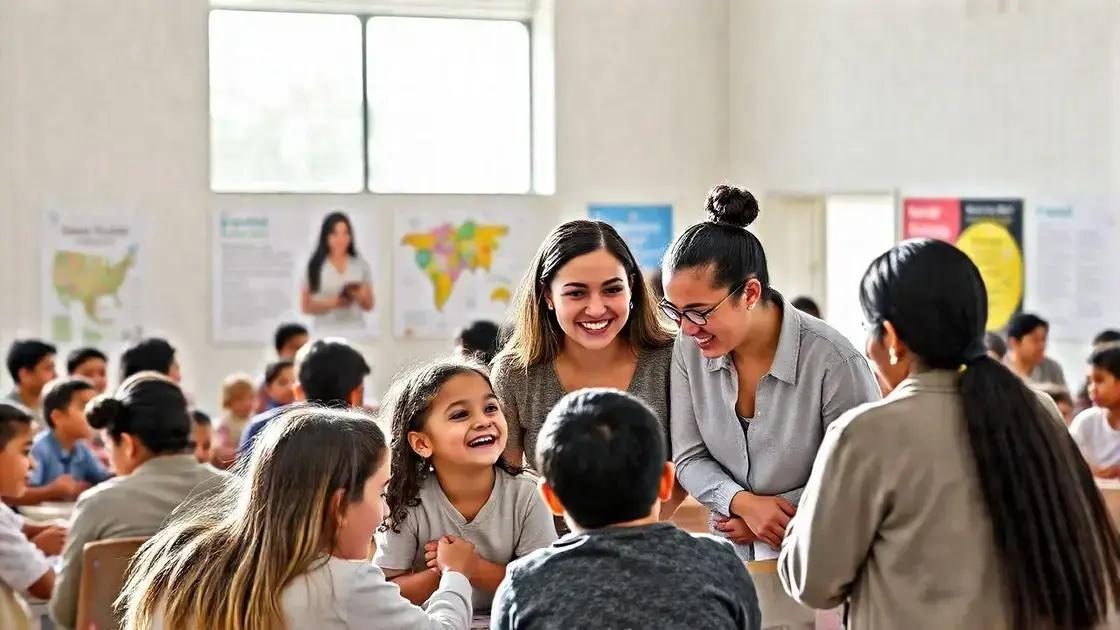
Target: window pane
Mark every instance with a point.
(285, 102)
(449, 105)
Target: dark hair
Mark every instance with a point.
(58, 395)
(147, 355)
(76, 358)
(653, 279)
(994, 343)
(272, 370)
(315, 265)
(1056, 392)
(806, 305)
(480, 340)
(285, 332)
(329, 370)
(148, 406)
(723, 243)
(602, 451)
(12, 417)
(1024, 324)
(1053, 536)
(25, 354)
(406, 407)
(1107, 358)
(537, 336)
(200, 418)
(1106, 336)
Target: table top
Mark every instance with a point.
(48, 511)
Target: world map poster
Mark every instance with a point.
(452, 267)
(91, 279)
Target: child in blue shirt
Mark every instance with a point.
(65, 465)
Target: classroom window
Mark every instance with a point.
(285, 102)
(446, 105)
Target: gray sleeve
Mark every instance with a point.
(847, 385)
(538, 530)
(504, 390)
(396, 551)
(375, 602)
(698, 471)
(85, 526)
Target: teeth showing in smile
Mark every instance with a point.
(485, 440)
(595, 325)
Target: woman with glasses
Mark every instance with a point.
(585, 317)
(754, 382)
(960, 500)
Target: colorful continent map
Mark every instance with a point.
(445, 252)
(88, 277)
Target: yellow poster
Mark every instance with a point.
(996, 253)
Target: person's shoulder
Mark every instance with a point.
(522, 485)
(507, 367)
(533, 563)
(709, 548)
(107, 495)
(42, 439)
(660, 356)
(819, 335)
(1084, 422)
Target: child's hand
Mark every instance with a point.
(430, 552)
(734, 528)
(65, 488)
(456, 554)
(50, 540)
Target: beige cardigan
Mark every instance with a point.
(893, 519)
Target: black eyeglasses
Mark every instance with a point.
(696, 317)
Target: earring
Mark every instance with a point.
(750, 307)
(551, 307)
(893, 356)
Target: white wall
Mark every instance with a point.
(103, 104)
(927, 98)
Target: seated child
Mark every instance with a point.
(90, 364)
(602, 460)
(238, 402)
(279, 377)
(284, 554)
(65, 465)
(450, 483)
(202, 435)
(1061, 398)
(1097, 429)
(23, 566)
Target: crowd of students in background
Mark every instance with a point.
(580, 395)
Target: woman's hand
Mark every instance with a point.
(734, 528)
(767, 517)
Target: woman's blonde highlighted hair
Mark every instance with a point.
(226, 565)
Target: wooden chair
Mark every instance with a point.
(104, 565)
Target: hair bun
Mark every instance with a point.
(732, 205)
(104, 411)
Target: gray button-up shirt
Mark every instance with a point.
(816, 376)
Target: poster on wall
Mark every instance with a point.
(647, 230)
(452, 267)
(92, 278)
(275, 265)
(990, 231)
(1078, 290)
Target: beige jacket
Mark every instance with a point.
(893, 519)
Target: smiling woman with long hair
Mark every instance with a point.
(959, 501)
(338, 286)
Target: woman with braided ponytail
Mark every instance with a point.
(959, 501)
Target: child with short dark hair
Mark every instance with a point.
(1061, 398)
(1097, 429)
(90, 364)
(449, 482)
(31, 365)
(479, 340)
(602, 457)
(202, 434)
(1027, 336)
(279, 377)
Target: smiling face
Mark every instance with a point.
(338, 241)
(94, 371)
(464, 425)
(727, 326)
(591, 296)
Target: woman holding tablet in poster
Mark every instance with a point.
(339, 285)
(754, 382)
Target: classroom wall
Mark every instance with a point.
(929, 98)
(104, 105)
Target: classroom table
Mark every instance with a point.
(1110, 489)
(48, 511)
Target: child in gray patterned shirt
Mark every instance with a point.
(602, 456)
